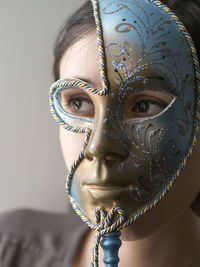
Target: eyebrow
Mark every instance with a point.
(84, 80)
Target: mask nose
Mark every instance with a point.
(107, 141)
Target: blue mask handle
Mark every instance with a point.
(111, 244)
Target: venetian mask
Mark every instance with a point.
(131, 160)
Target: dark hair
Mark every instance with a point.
(82, 23)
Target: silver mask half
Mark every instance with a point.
(142, 47)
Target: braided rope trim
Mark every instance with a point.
(102, 56)
(75, 165)
(64, 84)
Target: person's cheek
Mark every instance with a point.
(71, 145)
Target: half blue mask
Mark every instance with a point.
(146, 57)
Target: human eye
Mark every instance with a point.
(145, 104)
(76, 102)
(148, 107)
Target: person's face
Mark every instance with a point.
(99, 181)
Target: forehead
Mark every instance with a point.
(81, 61)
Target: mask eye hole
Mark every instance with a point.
(145, 104)
(76, 101)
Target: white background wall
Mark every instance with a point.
(32, 170)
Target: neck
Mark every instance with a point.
(175, 245)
